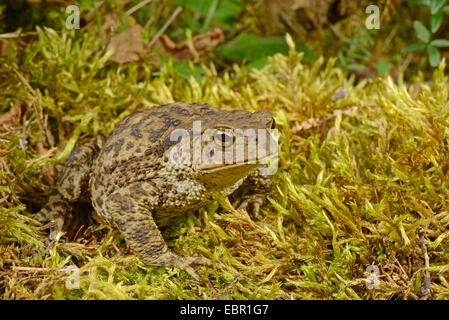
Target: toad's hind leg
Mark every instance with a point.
(72, 186)
(56, 209)
(73, 182)
(141, 233)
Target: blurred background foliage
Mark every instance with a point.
(412, 34)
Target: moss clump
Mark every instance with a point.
(351, 191)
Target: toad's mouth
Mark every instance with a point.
(269, 160)
(219, 177)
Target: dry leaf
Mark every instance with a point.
(302, 17)
(128, 45)
(109, 21)
(48, 171)
(4, 47)
(203, 44)
(12, 117)
(109, 24)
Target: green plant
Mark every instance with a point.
(437, 9)
(205, 12)
(256, 50)
(356, 53)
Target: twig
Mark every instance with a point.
(32, 269)
(12, 35)
(137, 7)
(165, 26)
(89, 241)
(425, 289)
(78, 233)
(115, 248)
(39, 113)
(44, 156)
(231, 285)
(51, 238)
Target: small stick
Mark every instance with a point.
(89, 241)
(78, 233)
(39, 113)
(137, 7)
(32, 269)
(165, 26)
(12, 35)
(232, 284)
(51, 238)
(425, 289)
(115, 247)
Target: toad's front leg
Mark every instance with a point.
(252, 193)
(141, 233)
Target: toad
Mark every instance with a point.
(160, 163)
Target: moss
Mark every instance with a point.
(350, 191)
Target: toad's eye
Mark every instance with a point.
(223, 138)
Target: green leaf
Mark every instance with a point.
(184, 71)
(251, 47)
(198, 7)
(210, 15)
(224, 13)
(423, 3)
(435, 21)
(383, 67)
(445, 10)
(440, 43)
(421, 31)
(414, 47)
(434, 56)
(436, 5)
(259, 63)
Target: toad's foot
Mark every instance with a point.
(251, 203)
(57, 209)
(252, 193)
(183, 262)
(143, 236)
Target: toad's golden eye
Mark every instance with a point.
(223, 138)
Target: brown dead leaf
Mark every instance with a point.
(202, 43)
(316, 10)
(12, 117)
(4, 47)
(128, 45)
(302, 17)
(48, 171)
(109, 20)
(109, 24)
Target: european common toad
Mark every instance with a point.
(139, 182)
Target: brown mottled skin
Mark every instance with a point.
(134, 186)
